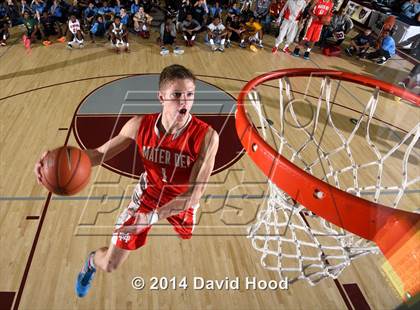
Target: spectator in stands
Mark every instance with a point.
(12, 11)
(75, 10)
(360, 44)
(117, 8)
(119, 35)
(385, 51)
(32, 30)
(38, 6)
(24, 7)
(215, 11)
(57, 12)
(75, 33)
(49, 27)
(98, 28)
(340, 25)
(261, 13)
(4, 30)
(183, 11)
(190, 28)
(413, 78)
(142, 23)
(253, 35)
(216, 32)
(168, 37)
(107, 12)
(125, 18)
(135, 7)
(200, 12)
(234, 30)
(232, 11)
(246, 13)
(410, 9)
(89, 15)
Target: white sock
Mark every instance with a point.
(91, 260)
(286, 46)
(308, 49)
(193, 38)
(126, 44)
(222, 42)
(242, 41)
(211, 41)
(185, 38)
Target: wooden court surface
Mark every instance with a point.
(44, 239)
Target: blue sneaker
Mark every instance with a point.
(306, 56)
(85, 277)
(296, 52)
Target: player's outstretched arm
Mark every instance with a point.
(106, 151)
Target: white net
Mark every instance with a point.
(292, 240)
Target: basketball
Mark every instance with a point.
(326, 19)
(66, 170)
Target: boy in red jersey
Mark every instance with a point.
(319, 9)
(178, 153)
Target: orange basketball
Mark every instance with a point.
(66, 170)
(326, 19)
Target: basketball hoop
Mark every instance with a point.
(316, 221)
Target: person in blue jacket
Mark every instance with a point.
(98, 28)
(410, 8)
(385, 51)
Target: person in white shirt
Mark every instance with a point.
(76, 35)
(291, 13)
(217, 32)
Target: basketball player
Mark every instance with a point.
(216, 32)
(32, 30)
(142, 22)
(119, 34)
(318, 10)
(178, 152)
(291, 12)
(76, 35)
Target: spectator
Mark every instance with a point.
(190, 28)
(215, 11)
(200, 12)
(106, 11)
(38, 6)
(340, 25)
(142, 23)
(117, 8)
(4, 30)
(253, 34)
(32, 30)
(261, 13)
(413, 78)
(12, 11)
(234, 30)
(135, 7)
(410, 9)
(24, 7)
(385, 51)
(57, 12)
(184, 8)
(217, 34)
(360, 44)
(75, 33)
(119, 35)
(49, 27)
(98, 28)
(168, 37)
(75, 9)
(292, 11)
(89, 15)
(125, 18)
(246, 13)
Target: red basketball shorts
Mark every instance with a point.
(313, 33)
(183, 223)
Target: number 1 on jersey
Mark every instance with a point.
(164, 175)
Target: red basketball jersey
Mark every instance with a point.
(168, 159)
(322, 8)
